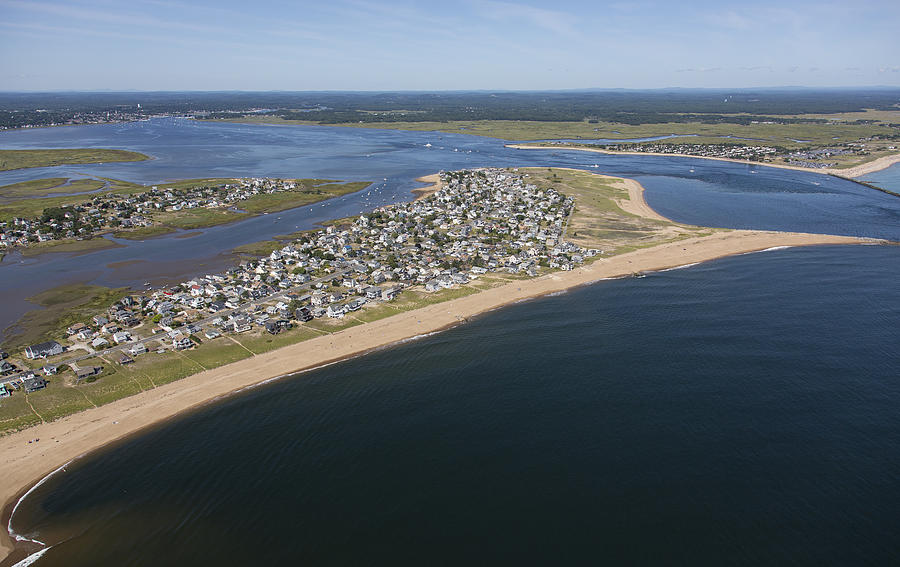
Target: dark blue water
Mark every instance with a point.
(698, 191)
(740, 412)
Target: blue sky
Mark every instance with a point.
(441, 45)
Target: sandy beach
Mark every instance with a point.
(436, 184)
(883, 162)
(25, 461)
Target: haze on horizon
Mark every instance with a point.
(457, 45)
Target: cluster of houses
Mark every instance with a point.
(114, 211)
(480, 221)
(42, 118)
(812, 157)
(730, 151)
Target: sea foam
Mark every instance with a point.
(32, 558)
(9, 528)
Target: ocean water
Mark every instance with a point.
(737, 412)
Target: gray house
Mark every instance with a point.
(43, 350)
(34, 384)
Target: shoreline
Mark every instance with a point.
(435, 185)
(24, 464)
(851, 173)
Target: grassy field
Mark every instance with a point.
(217, 352)
(16, 413)
(21, 159)
(598, 221)
(62, 307)
(189, 219)
(49, 187)
(144, 232)
(261, 248)
(30, 208)
(274, 202)
(68, 245)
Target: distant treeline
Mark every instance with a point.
(530, 114)
(630, 107)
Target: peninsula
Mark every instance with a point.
(474, 254)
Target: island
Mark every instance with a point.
(106, 368)
(22, 159)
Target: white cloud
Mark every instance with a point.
(549, 20)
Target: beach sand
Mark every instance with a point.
(883, 162)
(436, 184)
(24, 463)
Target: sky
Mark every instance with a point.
(445, 45)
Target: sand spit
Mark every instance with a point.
(25, 461)
(883, 162)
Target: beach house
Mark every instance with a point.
(43, 350)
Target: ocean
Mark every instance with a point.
(739, 412)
